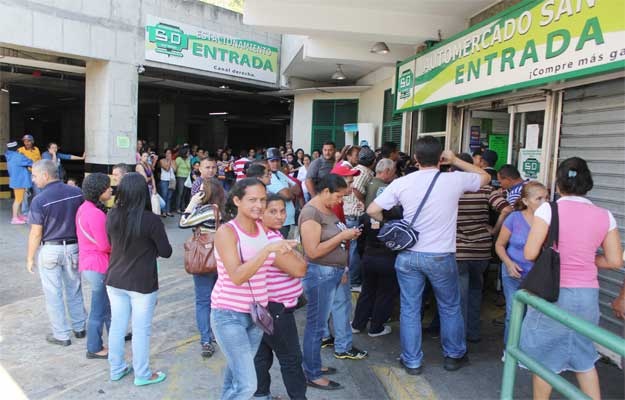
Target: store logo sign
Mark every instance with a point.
(190, 46)
(169, 40)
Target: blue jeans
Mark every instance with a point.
(238, 338)
(203, 288)
(58, 270)
(167, 194)
(325, 293)
(100, 312)
(355, 276)
(471, 273)
(413, 268)
(125, 303)
(510, 286)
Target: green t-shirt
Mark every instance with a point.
(375, 188)
(183, 167)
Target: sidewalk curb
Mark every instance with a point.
(401, 386)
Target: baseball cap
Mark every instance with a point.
(273, 154)
(343, 170)
(28, 137)
(366, 156)
(12, 146)
(490, 157)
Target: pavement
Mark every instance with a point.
(30, 368)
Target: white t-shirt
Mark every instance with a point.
(544, 211)
(437, 222)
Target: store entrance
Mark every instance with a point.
(514, 131)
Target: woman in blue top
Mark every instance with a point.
(511, 241)
(19, 180)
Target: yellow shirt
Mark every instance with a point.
(34, 154)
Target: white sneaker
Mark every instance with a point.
(387, 329)
(503, 357)
(354, 330)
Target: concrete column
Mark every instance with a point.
(166, 124)
(181, 124)
(111, 93)
(5, 119)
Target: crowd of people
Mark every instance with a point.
(292, 230)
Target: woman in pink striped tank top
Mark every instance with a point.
(243, 254)
(583, 228)
(283, 290)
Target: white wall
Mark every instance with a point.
(371, 107)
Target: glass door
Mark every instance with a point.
(525, 139)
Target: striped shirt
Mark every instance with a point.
(473, 240)
(282, 287)
(229, 296)
(239, 166)
(514, 193)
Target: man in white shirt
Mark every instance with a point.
(433, 256)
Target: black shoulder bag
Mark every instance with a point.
(543, 279)
(400, 235)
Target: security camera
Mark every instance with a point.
(140, 69)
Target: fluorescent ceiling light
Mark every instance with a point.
(218, 113)
(379, 48)
(338, 75)
(5, 90)
(15, 102)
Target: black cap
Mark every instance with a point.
(490, 157)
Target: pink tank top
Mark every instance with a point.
(228, 296)
(583, 227)
(282, 287)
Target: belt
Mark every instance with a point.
(59, 242)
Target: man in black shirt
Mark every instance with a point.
(52, 215)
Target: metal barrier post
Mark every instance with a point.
(514, 354)
(514, 335)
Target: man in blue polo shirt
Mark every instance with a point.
(53, 232)
(283, 186)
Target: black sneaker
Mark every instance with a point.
(351, 354)
(80, 334)
(51, 339)
(410, 371)
(454, 364)
(207, 350)
(327, 342)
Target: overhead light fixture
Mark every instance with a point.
(15, 102)
(380, 48)
(5, 90)
(218, 113)
(338, 75)
(224, 87)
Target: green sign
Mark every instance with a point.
(194, 47)
(529, 163)
(532, 43)
(499, 144)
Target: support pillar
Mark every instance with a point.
(111, 99)
(5, 119)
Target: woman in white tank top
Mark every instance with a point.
(243, 254)
(167, 184)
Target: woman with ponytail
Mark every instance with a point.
(583, 229)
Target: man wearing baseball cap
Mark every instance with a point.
(283, 186)
(487, 163)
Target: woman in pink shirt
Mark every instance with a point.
(93, 257)
(583, 228)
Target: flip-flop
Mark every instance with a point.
(160, 377)
(125, 372)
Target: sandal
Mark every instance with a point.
(125, 372)
(207, 350)
(160, 377)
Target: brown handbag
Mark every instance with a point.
(199, 250)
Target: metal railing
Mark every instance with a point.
(515, 355)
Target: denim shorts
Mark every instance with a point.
(553, 344)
